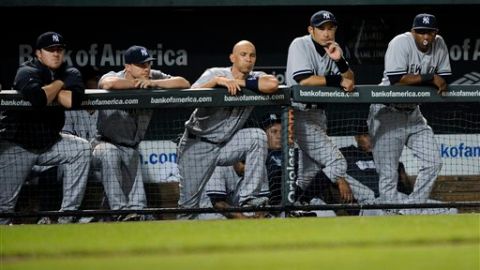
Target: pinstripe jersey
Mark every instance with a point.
(125, 127)
(218, 124)
(403, 57)
(303, 58)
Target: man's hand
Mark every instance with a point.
(345, 191)
(143, 83)
(232, 85)
(440, 83)
(333, 50)
(347, 84)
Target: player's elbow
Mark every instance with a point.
(269, 84)
(183, 83)
(107, 85)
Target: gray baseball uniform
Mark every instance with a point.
(81, 123)
(115, 151)
(213, 138)
(394, 126)
(226, 182)
(310, 124)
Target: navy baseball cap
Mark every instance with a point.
(270, 119)
(137, 55)
(321, 17)
(50, 39)
(425, 21)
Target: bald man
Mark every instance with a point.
(213, 135)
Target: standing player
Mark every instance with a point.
(418, 57)
(317, 60)
(32, 137)
(121, 131)
(213, 135)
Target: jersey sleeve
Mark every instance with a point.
(108, 75)
(29, 82)
(74, 83)
(158, 75)
(297, 61)
(396, 57)
(204, 78)
(443, 68)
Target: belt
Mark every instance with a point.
(195, 137)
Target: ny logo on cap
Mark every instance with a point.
(55, 38)
(426, 20)
(326, 16)
(144, 52)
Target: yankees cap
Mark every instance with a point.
(50, 39)
(425, 21)
(137, 55)
(321, 17)
(270, 119)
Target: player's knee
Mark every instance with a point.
(259, 137)
(106, 152)
(340, 163)
(437, 166)
(434, 165)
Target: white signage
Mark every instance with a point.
(159, 161)
(460, 154)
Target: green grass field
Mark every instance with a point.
(390, 242)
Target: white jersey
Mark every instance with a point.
(403, 57)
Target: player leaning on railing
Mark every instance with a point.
(32, 137)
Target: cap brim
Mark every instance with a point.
(149, 59)
(55, 45)
(425, 28)
(324, 22)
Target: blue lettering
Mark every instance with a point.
(460, 151)
(476, 151)
(159, 158)
(468, 151)
(153, 159)
(163, 158)
(453, 151)
(172, 157)
(444, 151)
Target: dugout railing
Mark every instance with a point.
(462, 100)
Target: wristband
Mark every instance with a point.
(252, 83)
(426, 78)
(333, 80)
(342, 65)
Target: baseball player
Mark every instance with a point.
(418, 57)
(32, 137)
(213, 135)
(317, 60)
(121, 131)
(223, 191)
